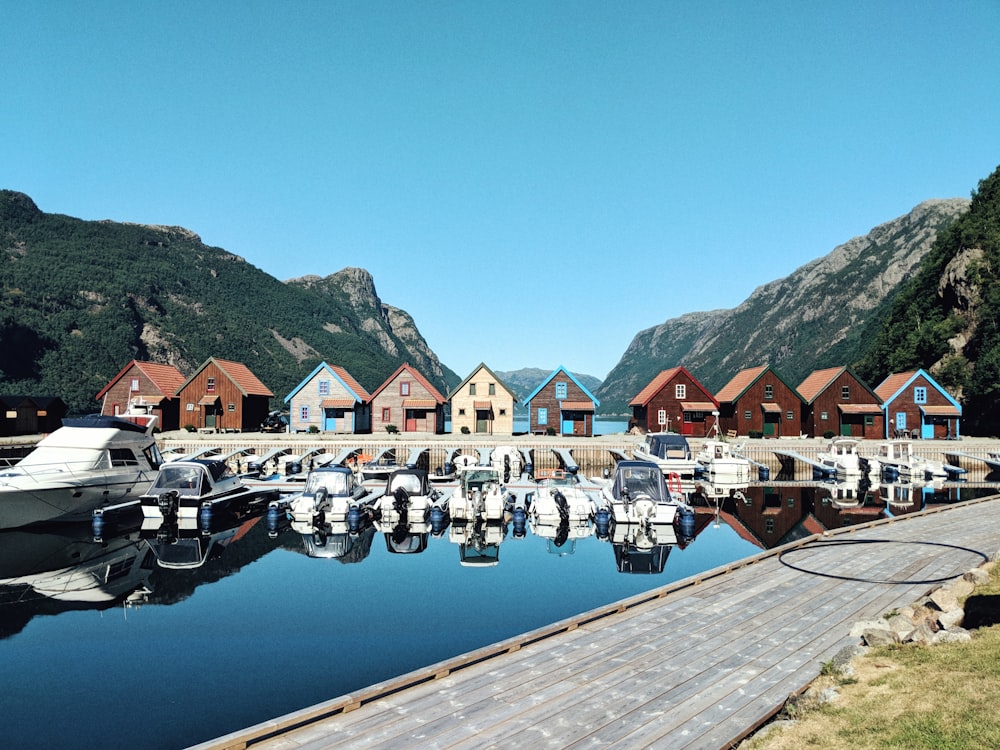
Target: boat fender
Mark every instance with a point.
(686, 523)
(763, 473)
(205, 518)
(602, 523)
(273, 517)
(438, 520)
(353, 519)
(98, 526)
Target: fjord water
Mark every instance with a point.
(168, 658)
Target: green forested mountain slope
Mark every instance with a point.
(79, 299)
(946, 320)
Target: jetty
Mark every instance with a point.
(700, 663)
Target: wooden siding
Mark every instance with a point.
(118, 395)
(905, 402)
(232, 410)
(463, 411)
(583, 421)
(733, 415)
(647, 416)
(308, 397)
(389, 397)
(828, 402)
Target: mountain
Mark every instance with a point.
(524, 381)
(821, 315)
(946, 320)
(80, 299)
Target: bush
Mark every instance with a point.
(828, 434)
(465, 430)
(755, 434)
(313, 429)
(391, 429)
(189, 427)
(550, 431)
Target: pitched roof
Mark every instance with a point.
(338, 372)
(351, 383)
(817, 382)
(658, 383)
(569, 375)
(477, 368)
(416, 376)
(891, 385)
(166, 378)
(238, 373)
(740, 382)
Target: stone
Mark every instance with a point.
(923, 633)
(956, 635)
(881, 636)
(977, 576)
(951, 619)
(943, 599)
(961, 587)
(858, 629)
(900, 626)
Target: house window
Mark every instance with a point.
(503, 412)
(845, 392)
(560, 390)
(789, 415)
(768, 391)
(747, 415)
(769, 525)
(324, 388)
(472, 389)
(920, 395)
(230, 407)
(680, 391)
(493, 389)
(189, 407)
(210, 385)
(386, 414)
(461, 412)
(869, 420)
(134, 385)
(404, 388)
(661, 416)
(543, 416)
(823, 416)
(304, 413)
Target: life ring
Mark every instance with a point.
(674, 483)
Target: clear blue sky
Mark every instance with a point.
(534, 182)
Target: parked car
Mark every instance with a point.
(275, 421)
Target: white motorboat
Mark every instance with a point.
(88, 463)
(671, 452)
(638, 494)
(478, 543)
(559, 497)
(329, 496)
(480, 495)
(409, 498)
(719, 462)
(508, 461)
(196, 489)
(842, 458)
(896, 459)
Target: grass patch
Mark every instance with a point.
(942, 697)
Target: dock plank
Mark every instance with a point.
(697, 664)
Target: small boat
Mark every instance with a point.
(638, 494)
(718, 461)
(478, 543)
(508, 461)
(671, 452)
(896, 459)
(642, 550)
(88, 463)
(480, 495)
(329, 496)
(185, 545)
(409, 498)
(196, 489)
(842, 458)
(560, 497)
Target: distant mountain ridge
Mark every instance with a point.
(821, 315)
(82, 298)
(524, 381)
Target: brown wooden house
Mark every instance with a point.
(223, 396)
(407, 402)
(915, 406)
(30, 415)
(674, 401)
(561, 405)
(145, 383)
(758, 401)
(837, 402)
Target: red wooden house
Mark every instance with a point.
(30, 415)
(837, 402)
(757, 400)
(149, 383)
(407, 402)
(674, 401)
(223, 396)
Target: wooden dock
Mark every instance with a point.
(696, 664)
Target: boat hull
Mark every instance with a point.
(22, 506)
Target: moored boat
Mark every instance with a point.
(88, 463)
(480, 495)
(638, 494)
(671, 452)
(719, 462)
(196, 489)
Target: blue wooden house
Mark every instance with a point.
(329, 400)
(916, 406)
(561, 405)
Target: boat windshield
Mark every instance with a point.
(408, 482)
(186, 480)
(334, 482)
(640, 480)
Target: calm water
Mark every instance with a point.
(102, 648)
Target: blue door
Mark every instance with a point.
(330, 420)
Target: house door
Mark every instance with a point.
(567, 426)
(900, 421)
(483, 421)
(330, 420)
(410, 421)
(771, 425)
(210, 416)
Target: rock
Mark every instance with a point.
(977, 576)
(900, 626)
(880, 636)
(943, 599)
(961, 587)
(858, 629)
(924, 633)
(955, 635)
(951, 619)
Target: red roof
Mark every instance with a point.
(893, 383)
(350, 382)
(578, 405)
(245, 380)
(658, 383)
(817, 382)
(166, 378)
(416, 376)
(740, 382)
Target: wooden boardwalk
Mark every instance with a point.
(696, 664)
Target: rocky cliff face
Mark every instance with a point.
(815, 317)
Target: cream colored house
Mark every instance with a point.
(482, 404)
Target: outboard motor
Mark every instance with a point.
(529, 469)
(167, 503)
(562, 506)
(401, 504)
(506, 468)
(293, 467)
(254, 468)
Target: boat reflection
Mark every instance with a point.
(478, 542)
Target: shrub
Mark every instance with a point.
(465, 430)
(313, 429)
(189, 427)
(391, 429)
